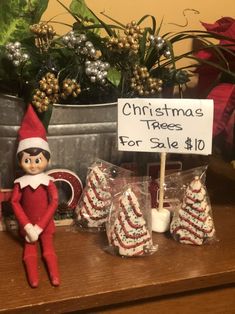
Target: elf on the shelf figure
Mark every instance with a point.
(35, 198)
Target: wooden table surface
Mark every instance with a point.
(92, 278)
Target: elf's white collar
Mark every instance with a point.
(34, 180)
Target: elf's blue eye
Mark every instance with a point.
(38, 160)
(27, 161)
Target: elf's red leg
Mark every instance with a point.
(31, 263)
(50, 258)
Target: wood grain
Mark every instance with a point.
(92, 278)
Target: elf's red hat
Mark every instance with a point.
(32, 133)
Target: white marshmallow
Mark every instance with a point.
(160, 220)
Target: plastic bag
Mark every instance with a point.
(192, 221)
(129, 225)
(102, 182)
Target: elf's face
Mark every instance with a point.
(33, 164)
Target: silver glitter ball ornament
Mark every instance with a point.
(25, 57)
(159, 39)
(9, 56)
(159, 45)
(66, 39)
(88, 71)
(17, 45)
(107, 65)
(94, 71)
(167, 53)
(89, 44)
(87, 63)
(93, 79)
(17, 55)
(105, 73)
(83, 37)
(99, 76)
(92, 52)
(16, 63)
(73, 40)
(151, 38)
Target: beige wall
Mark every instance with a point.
(125, 11)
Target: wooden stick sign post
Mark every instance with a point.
(161, 216)
(182, 126)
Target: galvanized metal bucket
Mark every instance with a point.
(77, 135)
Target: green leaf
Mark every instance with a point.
(153, 29)
(122, 26)
(143, 42)
(159, 27)
(16, 16)
(36, 8)
(79, 8)
(46, 116)
(152, 58)
(114, 76)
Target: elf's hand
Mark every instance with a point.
(31, 234)
(38, 229)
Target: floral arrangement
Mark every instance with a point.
(97, 62)
(220, 86)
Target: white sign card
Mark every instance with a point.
(165, 125)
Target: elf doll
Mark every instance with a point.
(35, 199)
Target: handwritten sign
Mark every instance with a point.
(165, 125)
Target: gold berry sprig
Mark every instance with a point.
(44, 34)
(47, 93)
(143, 84)
(70, 88)
(128, 42)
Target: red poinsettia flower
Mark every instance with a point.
(223, 91)
(224, 26)
(224, 110)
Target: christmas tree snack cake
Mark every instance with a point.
(193, 223)
(94, 204)
(128, 233)
(93, 208)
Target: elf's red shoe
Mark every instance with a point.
(53, 270)
(31, 266)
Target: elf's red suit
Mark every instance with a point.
(37, 206)
(35, 198)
